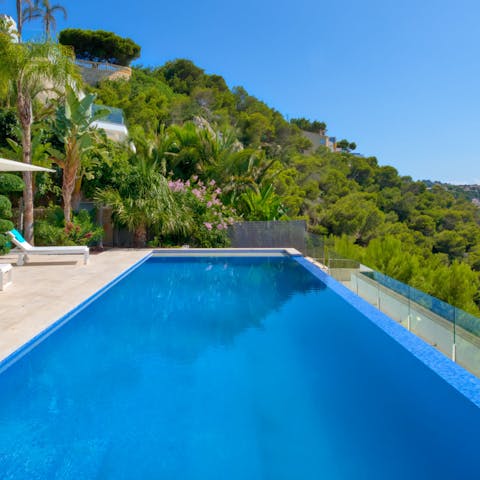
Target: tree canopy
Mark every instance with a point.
(100, 46)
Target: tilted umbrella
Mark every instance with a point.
(12, 166)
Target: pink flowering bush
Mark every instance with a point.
(210, 217)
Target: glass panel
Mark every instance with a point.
(426, 316)
(394, 305)
(467, 340)
(115, 115)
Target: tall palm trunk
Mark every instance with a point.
(47, 25)
(140, 236)
(19, 19)
(25, 114)
(68, 185)
(70, 169)
(67, 189)
(77, 193)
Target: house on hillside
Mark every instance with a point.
(320, 139)
(95, 72)
(100, 56)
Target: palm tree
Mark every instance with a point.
(157, 146)
(45, 11)
(199, 149)
(28, 70)
(262, 204)
(143, 200)
(73, 128)
(21, 15)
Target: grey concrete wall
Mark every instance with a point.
(271, 234)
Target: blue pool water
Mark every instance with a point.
(229, 368)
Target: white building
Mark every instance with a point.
(9, 25)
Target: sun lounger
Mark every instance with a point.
(5, 275)
(26, 249)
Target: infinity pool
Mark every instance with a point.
(229, 368)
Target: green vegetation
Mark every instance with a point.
(346, 146)
(100, 46)
(29, 71)
(77, 138)
(51, 229)
(8, 184)
(309, 126)
(206, 155)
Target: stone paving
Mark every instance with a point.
(48, 287)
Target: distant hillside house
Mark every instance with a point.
(93, 73)
(321, 140)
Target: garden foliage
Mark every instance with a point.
(9, 184)
(53, 230)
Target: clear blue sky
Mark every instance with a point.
(400, 78)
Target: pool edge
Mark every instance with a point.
(17, 354)
(454, 374)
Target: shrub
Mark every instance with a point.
(51, 230)
(8, 183)
(210, 217)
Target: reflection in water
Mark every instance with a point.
(122, 351)
(204, 303)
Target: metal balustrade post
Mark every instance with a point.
(409, 315)
(454, 346)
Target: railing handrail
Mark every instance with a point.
(102, 66)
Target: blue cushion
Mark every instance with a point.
(17, 235)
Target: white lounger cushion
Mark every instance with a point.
(56, 250)
(27, 249)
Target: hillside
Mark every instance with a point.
(427, 235)
(468, 192)
(228, 149)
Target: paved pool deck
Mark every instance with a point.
(48, 287)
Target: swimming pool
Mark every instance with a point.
(233, 368)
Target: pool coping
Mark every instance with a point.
(455, 375)
(222, 252)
